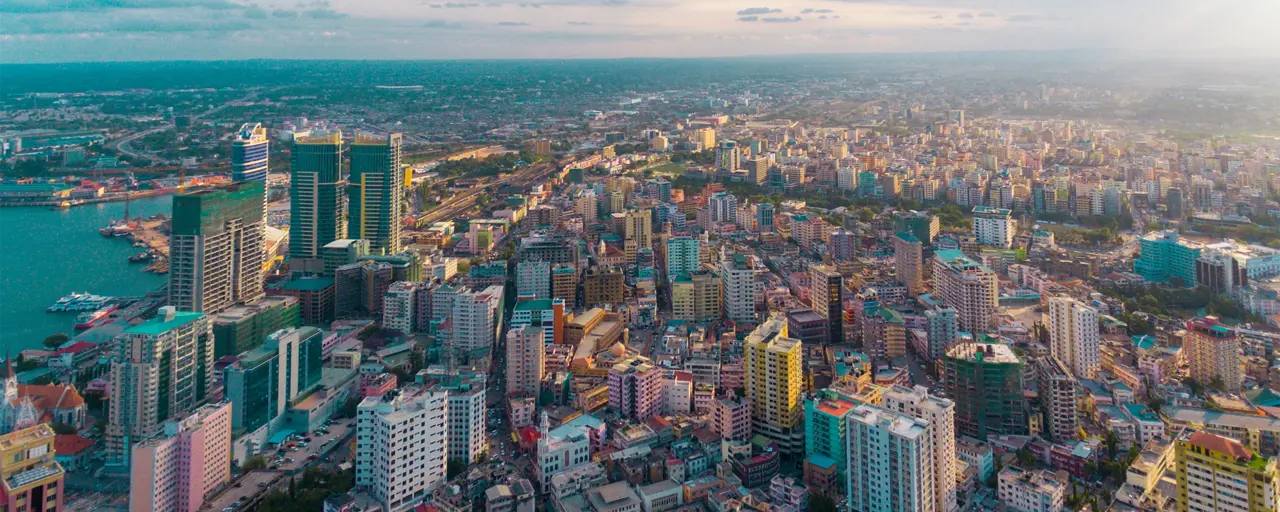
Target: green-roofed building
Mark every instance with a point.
(316, 296)
(1164, 258)
(920, 224)
(161, 369)
(242, 328)
(216, 248)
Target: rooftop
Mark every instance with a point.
(163, 323)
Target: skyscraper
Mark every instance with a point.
(1074, 335)
(249, 153)
(920, 224)
(533, 278)
(994, 226)
(317, 213)
(263, 382)
(728, 158)
(639, 232)
(525, 360)
(175, 472)
(826, 428)
(827, 299)
(985, 382)
(1058, 396)
(774, 382)
(942, 329)
(683, 255)
(764, 217)
(1213, 353)
(891, 462)
(968, 287)
(908, 257)
(941, 414)
(742, 289)
(409, 426)
(216, 248)
(376, 189)
(161, 369)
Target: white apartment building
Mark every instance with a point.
(847, 178)
(723, 207)
(994, 226)
(968, 287)
(400, 445)
(1059, 396)
(941, 415)
(742, 288)
(890, 462)
(475, 318)
(1074, 336)
(525, 361)
(400, 306)
(467, 437)
(559, 450)
(1031, 490)
(534, 278)
(677, 392)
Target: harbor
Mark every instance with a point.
(150, 234)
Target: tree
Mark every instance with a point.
(63, 428)
(1112, 445)
(293, 488)
(54, 341)
(819, 502)
(1025, 457)
(454, 468)
(254, 463)
(349, 407)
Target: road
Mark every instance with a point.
(467, 199)
(122, 146)
(249, 487)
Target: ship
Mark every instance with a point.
(79, 302)
(62, 303)
(96, 318)
(142, 257)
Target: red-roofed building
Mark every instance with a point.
(529, 437)
(71, 450)
(75, 355)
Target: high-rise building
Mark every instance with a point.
(704, 138)
(391, 430)
(941, 414)
(176, 471)
(602, 286)
(1074, 335)
(774, 381)
(467, 439)
(723, 207)
(476, 317)
(728, 158)
(264, 381)
(985, 382)
(742, 288)
(826, 429)
(731, 418)
(317, 213)
(526, 352)
(545, 314)
(908, 257)
(695, 297)
(827, 299)
(1219, 474)
(968, 287)
(1165, 259)
(1213, 353)
(249, 153)
(683, 255)
(376, 188)
(1059, 397)
(764, 217)
(1029, 490)
(216, 248)
(920, 224)
(533, 279)
(757, 169)
(994, 226)
(843, 245)
(161, 369)
(32, 479)
(564, 285)
(635, 388)
(942, 329)
(347, 251)
(890, 463)
(400, 306)
(638, 233)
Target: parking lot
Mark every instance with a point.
(250, 485)
(320, 445)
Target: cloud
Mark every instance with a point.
(986, 14)
(284, 14)
(780, 20)
(749, 18)
(965, 15)
(255, 13)
(579, 23)
(1020, 18)
(535, 6)
(49, 6)
(442, 24)
(757, 10)
(153, 25)
(816, 11)
(455, 5)
(324, 14)
(512, 24)
(936, 17)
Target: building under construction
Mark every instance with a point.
(985, 382)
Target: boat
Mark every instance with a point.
(63, 303)
(62, 205)
(142, 257)
(80, 302)
(96, 318)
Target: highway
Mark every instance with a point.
(467, 199)
(122, 146)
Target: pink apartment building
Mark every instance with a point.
(177, 470)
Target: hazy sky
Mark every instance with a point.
(96, 30)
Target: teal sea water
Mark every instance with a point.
(47, 254)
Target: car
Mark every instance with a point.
(312, 457)
(263, 485)
(237, 484)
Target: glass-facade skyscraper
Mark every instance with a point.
(249, 153)
(317, 211)
(375, 188)
(216, 248)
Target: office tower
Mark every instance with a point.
(1213, 353)
(941, 414)
(192, 458)
(723, 207)
(476, 317)
(564, 285)
(602, 286)
(843, 245)
(757, 170)
(826, 429)
(1058, 396)
(827, 299)
(731, 418)
(216, 248)
(466, 440)
(1219, 474)
(985, 382)
(967, 286)
(615, 202)
(161, 369)
(774, 382)
(249, 151)
(890, 462)
(742, 288)
(262, 383)
(635, 388)
(683, 255)
(376, 188)
(639, 233)
(727, 157)
(533, 279)
(908, 258)
(923, 226)
(400, 306)
(1074, 335)
(400, 445)
(33, 480)
(545, 314)
(317, 213)
(342, 252)
(994, 226)
(1165, 259)
(1174, 204)
(764, 217)
(1031, 490)
(525, 355)
(695, 297)
(942, 329)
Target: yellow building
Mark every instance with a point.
(695, 296)
(31, 479)
(705, 138)
(639, 233)
(774, 382)
(1219, 474)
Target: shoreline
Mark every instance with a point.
(146, 194)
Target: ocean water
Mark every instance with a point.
(50, 253)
